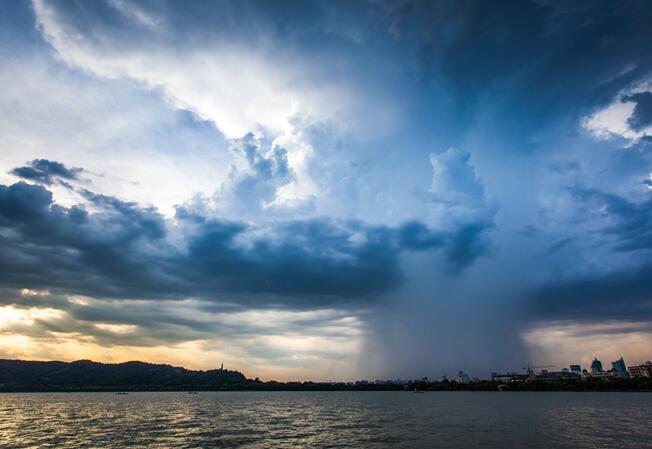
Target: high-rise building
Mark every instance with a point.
(619, 369)
(596, 366)
(642, 370)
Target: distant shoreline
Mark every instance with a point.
(19, 376)
(317, 390)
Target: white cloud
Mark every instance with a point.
(241, 85)
(300, 150)
(455, 191)
(116, 328)
(236, 85)
(614, 120)
(128, 141)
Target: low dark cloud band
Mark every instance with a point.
(124, 251)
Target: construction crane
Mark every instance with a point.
(530, 369)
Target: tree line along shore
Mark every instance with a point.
(85, 375)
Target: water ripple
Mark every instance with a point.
(256, 420)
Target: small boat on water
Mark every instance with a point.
(418, 391)
(193, 392)
(122, 392)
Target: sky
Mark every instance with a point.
(326, 190)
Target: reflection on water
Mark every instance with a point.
(326, 419)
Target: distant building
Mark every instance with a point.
(596, 374)
(550, 376)
(642, 370)
(463, 378)
(509, 377)
(389, 382)
(596, 366)
(596, 371)
(576, 369)
(618, 368)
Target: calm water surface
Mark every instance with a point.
(331, 419)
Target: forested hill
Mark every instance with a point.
(85, 375)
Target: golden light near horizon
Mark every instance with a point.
(567, 342)
(11, 316)
(44, 334)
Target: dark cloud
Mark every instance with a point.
(49, 246)
(416, 235)
(107, 24)
(461, 247)
(622, 295)
(121, 250)
(642, 116)
(630, 223)
(467, 244)
(46, 172)
(612, 294)
(315, 257)
(539, 60)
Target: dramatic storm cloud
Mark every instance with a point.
(305, 190)
(121, 250)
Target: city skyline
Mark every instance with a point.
(311, 191)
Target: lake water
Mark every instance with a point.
(327, 419)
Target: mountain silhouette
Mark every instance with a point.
(19, 375)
